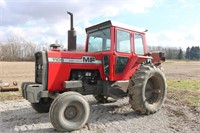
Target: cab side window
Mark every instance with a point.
(123, 41)
(139, 47)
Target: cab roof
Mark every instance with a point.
(110, 23)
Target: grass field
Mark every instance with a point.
(15, 71)
(185, 91)
(183, 79)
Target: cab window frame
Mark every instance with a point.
(117, 41)
(135, 45)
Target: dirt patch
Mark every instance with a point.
(182, 118)
(182, 70)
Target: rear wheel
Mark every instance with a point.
(69, 111)
(43, 105)
(147, 89)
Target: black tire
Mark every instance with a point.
(43, 105)
(69, 111)
(147, 89)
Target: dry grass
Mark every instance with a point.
(182, 70)
(4, 96)
(15, 71)
(183, 78)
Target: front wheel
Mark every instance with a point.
(69, 111)
(147, 89)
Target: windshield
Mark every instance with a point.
(99, 41)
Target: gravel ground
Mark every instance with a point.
(18, 116)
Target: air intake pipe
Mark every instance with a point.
(71, 35)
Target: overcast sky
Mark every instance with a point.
(170, 22)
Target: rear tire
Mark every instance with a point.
(69, 111)
(147, 89)
(43, 105)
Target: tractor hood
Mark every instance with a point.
(60, 65)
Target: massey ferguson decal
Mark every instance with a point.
(85, 59)
(88, 59)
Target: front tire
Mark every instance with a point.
(69, 111)
(147, 89)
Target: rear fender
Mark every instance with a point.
(158, 57)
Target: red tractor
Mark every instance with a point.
(116, 63)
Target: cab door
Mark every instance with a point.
(122, 53)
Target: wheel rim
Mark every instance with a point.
(74, 112)
(70, 112)
(154, 90)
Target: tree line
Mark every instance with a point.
(191, 53)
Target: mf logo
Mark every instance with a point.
(88, 59)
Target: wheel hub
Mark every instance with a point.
(151, 92)
(70, 112)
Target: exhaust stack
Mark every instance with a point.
(71, 35)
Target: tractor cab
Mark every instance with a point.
(114, 36)
(122, 46)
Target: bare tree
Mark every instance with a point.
(17, 49)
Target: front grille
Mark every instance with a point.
(41, 69)
(38, 67)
